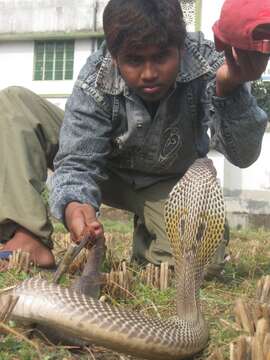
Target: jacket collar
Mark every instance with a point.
(193, 65)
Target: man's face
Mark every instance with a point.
(149, 71)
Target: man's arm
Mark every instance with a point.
(237, 126)
(80, 163)
(237, 123)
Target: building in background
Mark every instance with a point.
(44, 44)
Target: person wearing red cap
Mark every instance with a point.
(244, 36)
(136, 120)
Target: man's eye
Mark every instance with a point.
(134, 61)
(162, 57)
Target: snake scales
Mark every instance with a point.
(194, 217)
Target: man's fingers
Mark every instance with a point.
(235, 55)
(251, 63)
(96, 227)
(229, 56)
(81, 219)
(260, 61)
(77, 227)
(84, 224)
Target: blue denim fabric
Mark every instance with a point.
(107, 127)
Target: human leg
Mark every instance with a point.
(151, 225)
(150, 242)
(29, 127)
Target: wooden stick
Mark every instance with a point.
(266, 345)
(242, 313)
(162, 276)
(262, 329)
(9, 305)
(216, 355)
(242, 348)
(233, 351)
(72, 251)
(256, 349)
(156, 279)
(263, 290)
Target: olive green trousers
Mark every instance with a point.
(29, 130)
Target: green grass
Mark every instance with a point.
(249, 259)
(112, 226)
(59, 228)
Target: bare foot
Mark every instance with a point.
(40, 255)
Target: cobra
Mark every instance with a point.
(194, 218)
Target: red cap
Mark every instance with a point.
(244, 24)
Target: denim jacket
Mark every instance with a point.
(107, 127)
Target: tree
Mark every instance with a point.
(261, 90)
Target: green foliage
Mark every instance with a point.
(11, 346)
(12, 277)
(261, 90)
(59, 228)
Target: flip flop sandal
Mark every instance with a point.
(5, 255)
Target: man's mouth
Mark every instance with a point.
(151, 89)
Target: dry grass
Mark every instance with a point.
(248, 261)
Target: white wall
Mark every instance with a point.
(27, 16)
(17, 64)
(254, 178)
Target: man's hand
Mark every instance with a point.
(80, 217)
(240, 66)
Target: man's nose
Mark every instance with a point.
(149, 72)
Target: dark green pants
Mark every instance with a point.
(29, 129)
(150, 241)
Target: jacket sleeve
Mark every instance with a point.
(236, 122)
(238, 126)
(83, 147)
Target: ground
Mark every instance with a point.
(248, 261)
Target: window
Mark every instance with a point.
(54, 60)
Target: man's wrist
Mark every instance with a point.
(71, 207)
(224, 89)
(74, 206)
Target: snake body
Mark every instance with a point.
(194, 217)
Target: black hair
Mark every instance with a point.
(137, 23)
